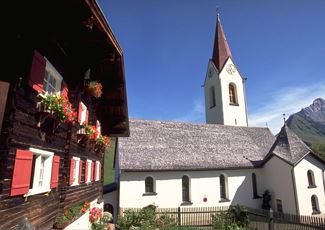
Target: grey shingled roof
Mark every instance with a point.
(162, 145)
(289, 146)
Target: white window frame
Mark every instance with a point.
(36, 189)
(50, 69)
(97, 170)
(89, 164)
(76, 171)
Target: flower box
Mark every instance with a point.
(94, 89)
(71, 215)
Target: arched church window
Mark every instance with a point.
(311, 179)
(149, 185)
(254, 183)
(223, 188)
(109, 208)
(186, 189)
(212, 97)
(314, 204)
(232, 94)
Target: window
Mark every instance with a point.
(97, 171)
(279, 205)
(35, 171)
(82, 114)
(212, 97)
(232, 94)
(186, 189)
(149, 185)
(74, 171)
(88, 172)
(314, 204)
(109, 208)
(311, 179)
(223, 188)
(255, 195)
(52, 79)
(41, 171)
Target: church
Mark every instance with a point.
(221, 163)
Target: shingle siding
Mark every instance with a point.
(162, 145)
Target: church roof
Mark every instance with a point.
(288, 146)
(221, 50)
(164, 145)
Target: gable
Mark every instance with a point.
(230, 73)
(312, 160)
(211, 69)
(272, 157)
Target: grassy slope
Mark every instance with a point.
(109, 171)
(307, 131)
(313, 134)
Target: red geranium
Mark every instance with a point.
(95, 214)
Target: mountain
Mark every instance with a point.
(309, 123)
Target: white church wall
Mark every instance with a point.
(304, 192)
(213, 114)
(203, 184)
(277, 177)
(233, 114)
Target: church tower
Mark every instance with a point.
(225, 101)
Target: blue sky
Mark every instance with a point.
(279, 45)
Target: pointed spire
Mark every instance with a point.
(221, 51)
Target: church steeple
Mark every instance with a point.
(221, 51)
(225, 101)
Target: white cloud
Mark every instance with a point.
(288, 100)
(196, 114)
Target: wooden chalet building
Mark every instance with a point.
(47, 166)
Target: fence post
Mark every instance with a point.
(179, 216)
(271, 219)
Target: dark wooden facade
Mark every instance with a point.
(74, 37)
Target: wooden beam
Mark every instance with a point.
(4, 88)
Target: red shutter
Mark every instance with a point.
(22, 172)
(79, 112)
(95, 170)
(100, 171)
(80, 170)
(92, 171)
(55, 171)
(86, 172)
(37, 72)
(87, 115)
(72, 163)
(64, 90)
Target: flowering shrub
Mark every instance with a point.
(59, 106)
(103, 222)
(90, 131)
(85, 207)
(103, 141)
(71, 214)
(95, 214)
(107, 217)
(95, 89)
(92, 134)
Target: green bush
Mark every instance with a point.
(236, 218)
(146, 219)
